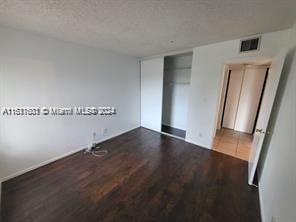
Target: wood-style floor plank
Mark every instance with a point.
(145, 176)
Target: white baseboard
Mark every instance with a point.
(174, 126)
(186, 140)
(150, 129)
(261, 205)
(200, 145)
(18, 173)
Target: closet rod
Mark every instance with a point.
(180, 68)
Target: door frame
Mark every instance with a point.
(271, 86)
(225, 97)
(274, 83)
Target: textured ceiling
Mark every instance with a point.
(148, 27)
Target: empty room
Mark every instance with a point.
(147, 110)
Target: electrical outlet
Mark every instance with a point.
(105, 131)
(200, 134)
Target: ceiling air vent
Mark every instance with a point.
(250, 44)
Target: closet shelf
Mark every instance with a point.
(179, 83)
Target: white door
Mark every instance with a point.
(264, 113)
(251, 90)
(232, 97)
(151, 93)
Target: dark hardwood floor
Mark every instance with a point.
(173, 131)
(145, 176)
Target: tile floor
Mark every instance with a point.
(233, 143)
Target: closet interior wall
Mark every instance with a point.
(177, 74)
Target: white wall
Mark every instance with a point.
(177, 71)
(207, 66)
(151, 93)
(40, 71)
(277, 171)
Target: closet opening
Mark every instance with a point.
(240, 101)
(176, 83)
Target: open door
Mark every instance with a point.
(264, 113)
(151, 93)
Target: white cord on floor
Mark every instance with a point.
(95, 152)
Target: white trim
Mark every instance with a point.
(261, 206)
(200, 145)
(166, 134)
(18, 173)
(186, 140)
(150, 129)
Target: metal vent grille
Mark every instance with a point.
(250, 44)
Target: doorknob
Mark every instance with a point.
(259, 131)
